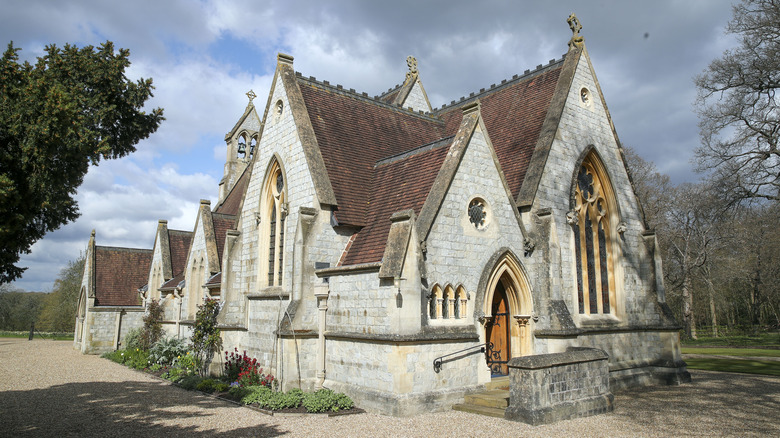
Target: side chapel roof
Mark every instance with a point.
(180, 246)
(119, 272)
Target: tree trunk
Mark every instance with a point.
(714, 315)
(688, 320)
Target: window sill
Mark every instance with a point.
(598, 320)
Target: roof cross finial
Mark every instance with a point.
(411, 61)
(576, 27)
(251, 95)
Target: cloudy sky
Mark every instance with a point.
(205, 55)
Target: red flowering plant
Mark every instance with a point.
(243, 370)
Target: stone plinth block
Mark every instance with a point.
(546, 388)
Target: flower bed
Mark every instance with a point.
(242, 381)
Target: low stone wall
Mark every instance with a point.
(546, 388)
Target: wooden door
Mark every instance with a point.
(497, 334)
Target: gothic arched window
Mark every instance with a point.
(275, 211)
(591, 221)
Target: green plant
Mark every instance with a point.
(206, 338)
(133, 339)
(221, 387)
(187, 362)
(257, 394)
(116, 356)
(206, 385)
(282, 400)
(326, 400)
(152, 330)
(190, 382)
(166, 350)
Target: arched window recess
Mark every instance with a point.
(273, 217)
(595, 221)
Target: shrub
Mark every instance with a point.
(281, 400)
(257, 394)
(190, 382)
(115, 356)
(152, 330)
(326, 400)
(236, 363)
(133, 339)
(206, 385)
(206, 338)
(221, 387)
(166, 350)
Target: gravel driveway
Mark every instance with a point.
(49, 389)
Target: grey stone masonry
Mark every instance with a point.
(546, 388)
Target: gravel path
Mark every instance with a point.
(49, 389)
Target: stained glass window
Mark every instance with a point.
(591, 227)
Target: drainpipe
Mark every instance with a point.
(177, 295)
(118, 329)
(321, 292)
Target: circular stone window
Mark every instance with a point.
(478, 213)
(278, 109)
(585, 96)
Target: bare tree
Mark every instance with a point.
(738, 106)
(692, 215)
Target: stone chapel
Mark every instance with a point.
(358, 242)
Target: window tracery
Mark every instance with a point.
(590, 221)
(276, 212)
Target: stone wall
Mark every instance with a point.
(102, 324)
(547, 388)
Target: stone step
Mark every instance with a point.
(481, 410)
(498, 383)
(494, 398)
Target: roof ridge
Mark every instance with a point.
(418, 150)
(527, 74)
(122, 248)
(363, 96)
(179, 231)
(389, 91)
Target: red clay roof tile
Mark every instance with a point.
(119, 272)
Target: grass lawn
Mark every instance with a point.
(768, 367)
(45, 335)
(725, 351)
(762, 339)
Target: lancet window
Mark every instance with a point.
(591, 221)
(275, 211)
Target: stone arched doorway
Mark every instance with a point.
(507, 308)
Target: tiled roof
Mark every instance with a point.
(232, 201)
(214, 280)
(222, 223)
(513, 114)
(180, 246)
(354, 133)
(119, 272)
(398, 185)
(173, 282)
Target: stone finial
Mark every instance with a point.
(574, 24)
(251, 95)
(411, 61)
(93, 233)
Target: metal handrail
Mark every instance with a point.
(439, 360)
